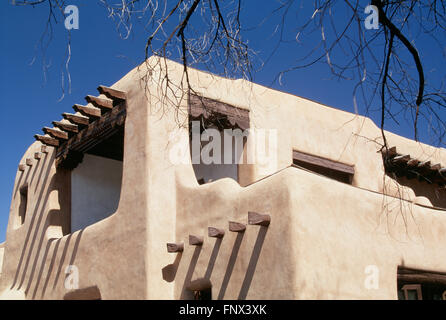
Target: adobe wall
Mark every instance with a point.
(316, 246)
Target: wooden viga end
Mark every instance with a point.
(106, 110)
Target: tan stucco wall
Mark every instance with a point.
(322, 235)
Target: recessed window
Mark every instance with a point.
(23, 205)
(96, 182)
(332, 169)
(421, 285)
(218, 134)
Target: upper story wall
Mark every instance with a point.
(304, 126)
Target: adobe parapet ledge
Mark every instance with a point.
(285, 234)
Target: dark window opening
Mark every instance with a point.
(329, 168)
(23, 205)
(421, 285)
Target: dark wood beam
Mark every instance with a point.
(112, 93)
(76, 119)
(401, 159)
(216, 232)
(195, 240)
(47, 140)
(323, 162)
(69, 127)
(419, 276)
(424, 165)
(90, 137)
(56, 133)
(101, 103)
(391, 152)
(236, 226)
(175, 247)
(413, 162)
(259, 219)
(90, 112)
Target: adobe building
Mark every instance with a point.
(102, 209)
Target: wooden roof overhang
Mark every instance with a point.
(212, 112)
(403, 165)
(89, 126)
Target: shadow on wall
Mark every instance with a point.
(36, 219)
(170, 271)
(187, 293)
(44, 235)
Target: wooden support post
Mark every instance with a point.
(102, 103)
(236, 226)
(195, 240)
(112, 93)
(259, 219)
(175, 247)
(216, 232)
(47, 140)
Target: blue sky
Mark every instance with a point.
(30, 96)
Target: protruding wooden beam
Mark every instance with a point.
(259, 219)
(442, 172)
(37, 155)
(236, 226)
(425, 165)
(401, 159)
(69, 127)
(436, 167)
(22, 167)
(391, 152)
(102, 103)
(29, 162)
(43, 149)
(77, 119)
(175, 247)
(88, 111)
(47, 140)
(112, 93)
(56, 133)
(215, 232)
(413, 162)
(195, 240)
